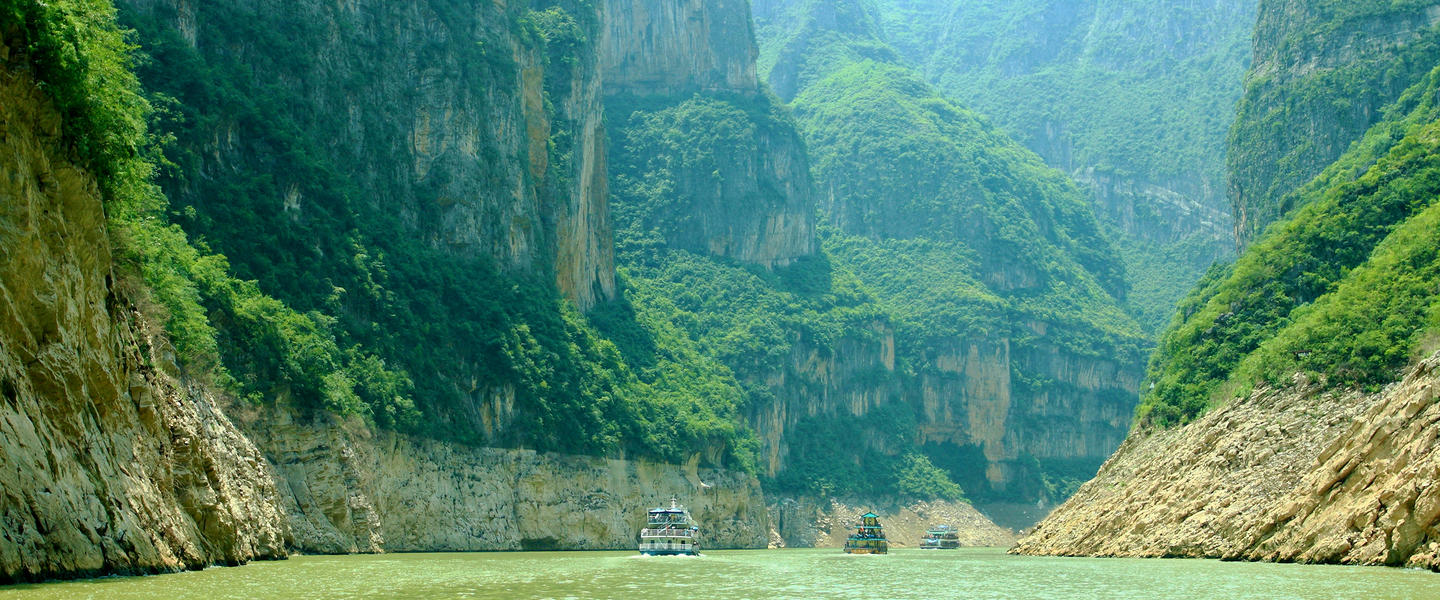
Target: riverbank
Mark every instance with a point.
(1301, 474)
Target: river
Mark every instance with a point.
(800, 574)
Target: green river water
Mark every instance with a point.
(969, 573)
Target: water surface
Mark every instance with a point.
(755, 574)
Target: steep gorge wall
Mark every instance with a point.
(1322, 77)
(441, 112)
(398, 168)
(660, 48)
(750, 201)
(1300, 475)
(346, 488)
(926, 199)
(110, 463)
(995, 434)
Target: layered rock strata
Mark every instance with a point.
(749, 199)
(1297, 475)
(108, 463)
(348, 489)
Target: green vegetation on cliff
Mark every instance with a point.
(1344, 290)
(753, 326)
(1324, 72)
(1132, 97)
(384, 324)
(85, 64)
(990, 266)
(1130, 87)
(912, 171)
(358, 302)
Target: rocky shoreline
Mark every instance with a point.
(1293, 475)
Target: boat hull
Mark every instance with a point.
(670, 552)
(681, 547)
(865, 551)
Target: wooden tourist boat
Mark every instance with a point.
(869, 537)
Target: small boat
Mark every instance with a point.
(670, 532)
(869, 537)
(940, 537)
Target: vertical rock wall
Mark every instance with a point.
(348, 489)
(1322, 76)
(107, 462)
(676, 47)
(750, 197)
(441, 112)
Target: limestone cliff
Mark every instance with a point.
(670, 48)
(1299, 475)
(347, 488)
(926, 203)
(110, 463)
(743, 192)
(378, 162)
(439, 112)
(999, 436)
(1321, 78)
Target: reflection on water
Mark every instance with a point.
(759, 574)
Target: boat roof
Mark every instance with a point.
(870, 516)
(675, 508)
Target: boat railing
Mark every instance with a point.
(676, 533)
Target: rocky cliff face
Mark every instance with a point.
(110, 463)
(349, 489)
(926, 199)
(741, 192)
(377, 163)
(441, 112)
(995, 433)
(1298, 475)
(668, 48)
(1322, 77)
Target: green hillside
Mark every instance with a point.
(1131, 97)
(1325, 71)
(958, 232)
(1344, 290)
